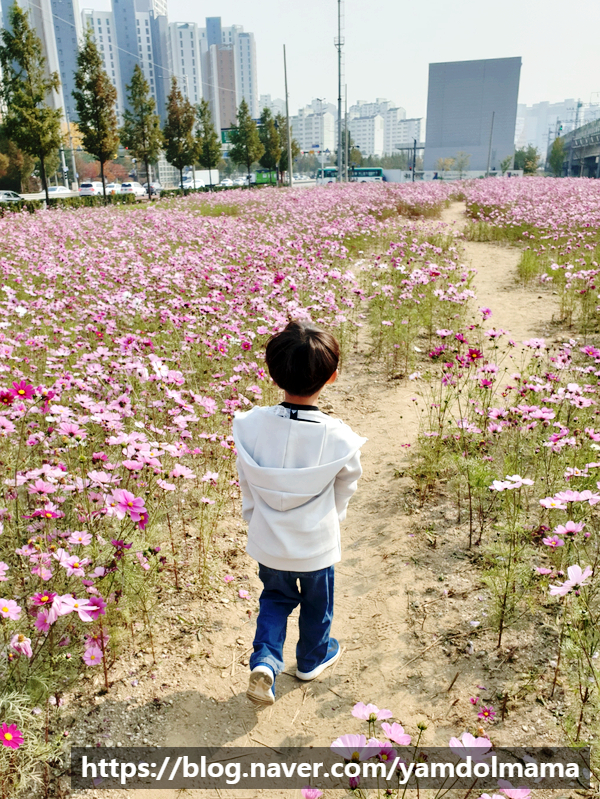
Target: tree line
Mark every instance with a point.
(30, 127)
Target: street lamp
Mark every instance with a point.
(320, 100)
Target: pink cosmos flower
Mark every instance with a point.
(370, 712)
(92, 656)
(3, 570)
(126, 503)
(82, 607)
(513, 793)
(552, 504)
(352, 747)
(9, 609)
(97, 607)
(41, 487)
(468, 745)
(569, 528)
(543, 570)
(74, 566)
(395, 732)
(10, 736)
(78, 537)
(387, 753)
(183, 471)
(553, 542)
(42, 621)
(21, 645)
(243, 594)
(228, 578)
(310, 793)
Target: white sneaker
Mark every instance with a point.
(260, 687)
(310, 675)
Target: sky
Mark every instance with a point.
(389, 44)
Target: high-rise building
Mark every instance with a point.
(186, 49)
(276, 106)
(313, 127)
(228, 70)
(67, 32)
(397, 129)
(368, 133)
(469, 104)
(103, 25)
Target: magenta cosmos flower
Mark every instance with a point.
(569, 528)
(370, 712)
(553, 542)
(22, 390)
(10, 736)
(311, 793)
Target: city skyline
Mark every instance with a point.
(388, 52)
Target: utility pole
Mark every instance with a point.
(339, 42)
(487, 171)
(346, 143)
(414, 159)
(287, 122)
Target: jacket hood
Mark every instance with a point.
(289, 462)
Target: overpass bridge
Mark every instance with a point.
(582, 151)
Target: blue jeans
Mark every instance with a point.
(282, 592)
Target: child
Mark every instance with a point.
(298, 469)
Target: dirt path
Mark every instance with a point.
(394, 593)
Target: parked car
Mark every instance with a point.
(9, 197)
(188, 183)
(54, 190)
(90, 188)
(133, 187)
(113, 188)
(240, 181)
(226, 182)
(155, 189)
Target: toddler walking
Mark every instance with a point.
(298, 469)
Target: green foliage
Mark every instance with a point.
(208, 146)
(283, 158)
(18, 166)
(67, 202)
(29, 121)
(247, 147)
(178, 132)
(271, 140)
(557, 156)
(95, 98)
(505, 164)
(527, 159)
(141, 124)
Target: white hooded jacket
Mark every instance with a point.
(297, 477)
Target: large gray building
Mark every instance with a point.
(463, 97)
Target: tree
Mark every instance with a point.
(178, 132)
(505, 164)
(18, 169)
(557, 157)
(444, 165)
(208, 146)
(283, 158)
(141, 124)
(271, 140)
(461, 162)
(246, 144)
(527, 159)
(29, 121)
(95, 98)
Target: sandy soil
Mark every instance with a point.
(406, 595)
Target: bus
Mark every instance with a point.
(327, 175)
(266, 177)
(368, 174)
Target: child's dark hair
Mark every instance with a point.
(301, 358)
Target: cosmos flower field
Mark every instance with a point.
(129, 337)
